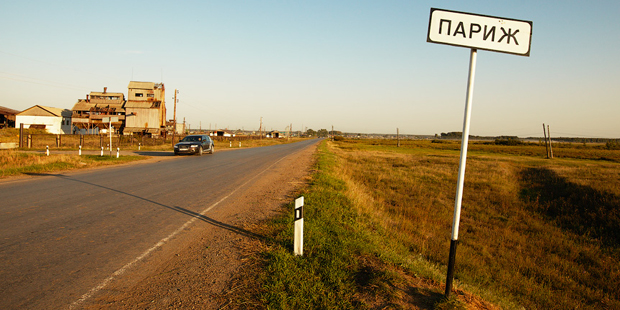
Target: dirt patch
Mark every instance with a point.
(196, 269)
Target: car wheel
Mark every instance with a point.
(200, 151)
(176, 153)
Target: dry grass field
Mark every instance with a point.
(537, 233)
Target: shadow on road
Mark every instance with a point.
(213, 222)
(154, 153)
(190, 213)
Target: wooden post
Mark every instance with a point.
(550, 147)
(21, 135)
(398, 137)
(546, 145)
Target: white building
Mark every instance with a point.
(54, 120)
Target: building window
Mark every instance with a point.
(150, 95)
(139, 95)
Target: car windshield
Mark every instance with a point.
(192, 139)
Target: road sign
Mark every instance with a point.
(480, 32)
(476, 32)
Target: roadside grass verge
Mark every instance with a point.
(14, 163)
(535, 233)
(349, 261)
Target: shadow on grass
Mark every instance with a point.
(580, 209)
(383, 286)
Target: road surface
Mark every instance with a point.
(65, 235)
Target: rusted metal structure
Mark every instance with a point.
(145, 108)
(222, 133)
(88, 113)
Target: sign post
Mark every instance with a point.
(298, 243)
(110, 119)
(476, 32)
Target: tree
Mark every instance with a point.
(322, 133)
(310, 133)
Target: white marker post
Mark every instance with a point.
(80, 151)
(118, 151)
(47, 150)
(298, 244)
(102, 151)
(139, 146)
(476, 32)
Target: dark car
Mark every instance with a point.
(194, 144)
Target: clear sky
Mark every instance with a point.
(361, 66)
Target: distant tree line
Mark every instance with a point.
(459, 135)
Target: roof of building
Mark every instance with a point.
(39, 110)
(145, 85)
(107, 94)
(86, 105)
(82, 105)
(7, 111)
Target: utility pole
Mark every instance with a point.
(398, 137)
(174, 126)
(550, 147)
(546, 144)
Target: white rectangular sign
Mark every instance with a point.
(112, 119)
(480, 31)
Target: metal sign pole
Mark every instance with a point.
(110, 129)
(461, 176)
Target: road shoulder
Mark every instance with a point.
(197, 268)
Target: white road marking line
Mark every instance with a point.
(123, 269)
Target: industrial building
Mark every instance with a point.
(145, 108)
(88, 114)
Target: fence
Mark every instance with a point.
(73, 141)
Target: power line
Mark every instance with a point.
(21, 78)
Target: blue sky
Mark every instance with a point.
(361, 66)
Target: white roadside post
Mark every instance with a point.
(102, 151)
(80, 151)
(47, 150)
(139, 146)
(239, 143)
(230, 144)
(476, 32)
(118, 151)
(298, 244)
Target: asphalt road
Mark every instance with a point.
(62, 235)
